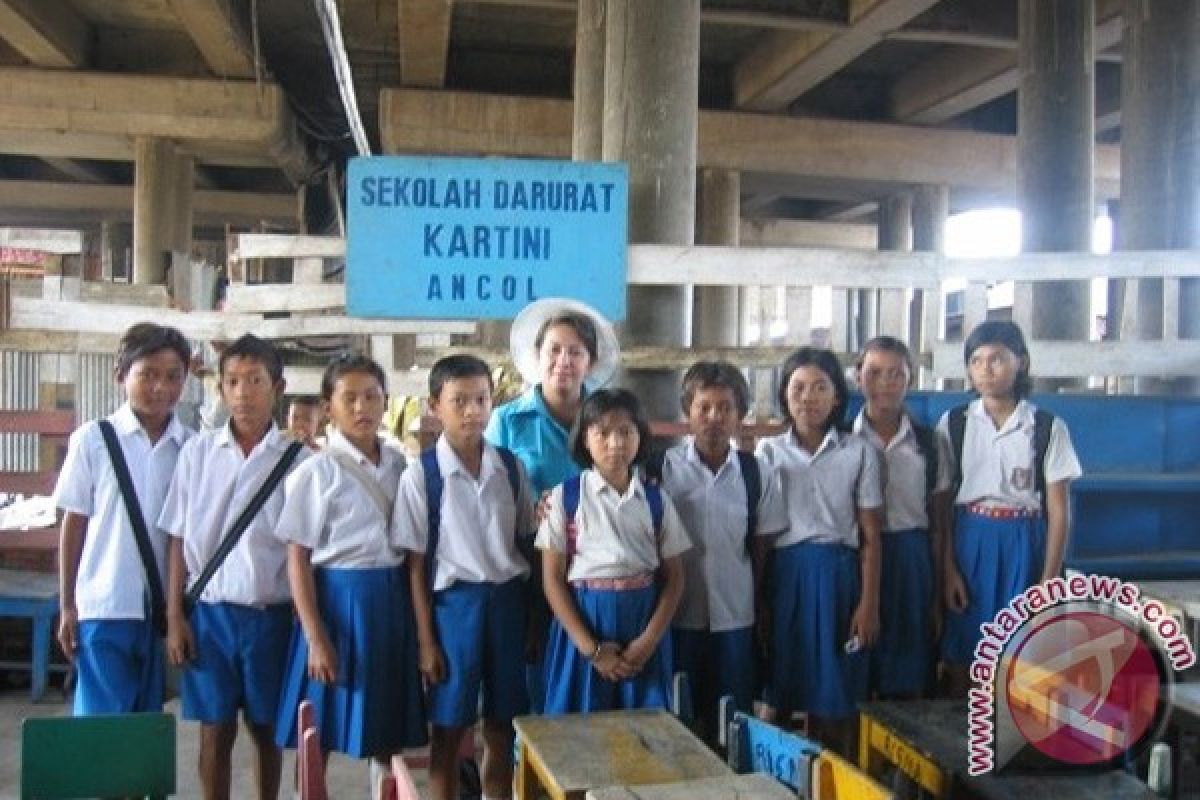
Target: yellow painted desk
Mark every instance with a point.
(927, 740)
(755, 786)
(568, 755)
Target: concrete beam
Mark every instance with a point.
(116, 202)
(97, 115)
(76, 170)
(49, 33)
(424, 28)
(788, 64)
(418, 121)
(806, 233)
(958, 79)
(218, 34)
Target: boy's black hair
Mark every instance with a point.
(715, 375)
(596, 405)
(145, 339)
(305, 400)
(577, 321)
(455, 367)
(250, 346)
(1008, 334)
(828, 363)
(346, 364)
(888, 344)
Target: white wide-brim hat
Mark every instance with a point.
(525, 330)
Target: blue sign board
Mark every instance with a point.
(465, 238)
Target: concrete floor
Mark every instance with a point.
(345, 778)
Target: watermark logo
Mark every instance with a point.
(1074, 672)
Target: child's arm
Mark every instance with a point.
(605, 656)
(640, 650)
(70, 549)
(181, 645)
(432, 661)
(1057, 510)
(322, 658)
(865, 622)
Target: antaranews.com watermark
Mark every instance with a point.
(1078, 668)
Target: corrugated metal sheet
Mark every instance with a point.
(19, 372)
(97, 394)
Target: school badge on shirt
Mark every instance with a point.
(1022, 478)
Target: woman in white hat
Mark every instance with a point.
(563, 348)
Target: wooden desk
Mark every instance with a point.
(755, 786)
(927, 740)
(568, 755)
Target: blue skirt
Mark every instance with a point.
(998, 559)
(572, 685)
(902, 659)
(376, 707)
(814, 592)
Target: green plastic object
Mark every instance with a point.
(112, 755)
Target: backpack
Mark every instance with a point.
(434, 484)
(570, 499)
(925, 444)
(751, 479)
(1043, 421)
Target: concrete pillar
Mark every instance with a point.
(651, 94)
(1160, 156)
(715, 309)
(153, 225)
(1055, 122)
(181, 202)
(885, 309)
(931, 207)
(588, 128)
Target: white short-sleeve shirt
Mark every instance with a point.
(111, 583)
(480, 518)
(718, 589)
(616, 537)
(213, 484)
(327, 510)
(903, 473)
(998, 464)
(823, 491)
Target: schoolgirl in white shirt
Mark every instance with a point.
(902, 661)
(354, 650)
(106, 623)
(825, 567)
(611, 568)
(1008, 529)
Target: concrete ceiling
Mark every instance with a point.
(947, 63)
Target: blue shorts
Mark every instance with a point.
(902, 659)
(998, 559)
(120, 667)
(240, 657)
(481, 629)
(814, 592)
(717, 663)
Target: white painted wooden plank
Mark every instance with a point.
(1076, 359)
(1170, 314)
(893, 313)
(1074, 266)
(272, 245)
(50, 315)
(839, 326)
(1023, 306)
(308, 270)
(974, 306)
(798, 309)
(263, 297)
(307, 380)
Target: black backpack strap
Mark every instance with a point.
(958, 428)
(928, 450)
(239, 526)
(141, 535)
(652, 470)
(752, 480)
(1043, 424)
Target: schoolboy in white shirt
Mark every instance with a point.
(106, 623)
(471, 620)
(233, 642)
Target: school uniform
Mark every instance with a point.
(243, 618)
(999, 529)
(902, 658)
(375, 707)
(815, 573)
(479, 582)
(613, 575)
(119, 659)
(713, 633)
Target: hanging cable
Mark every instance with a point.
(332, 30)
